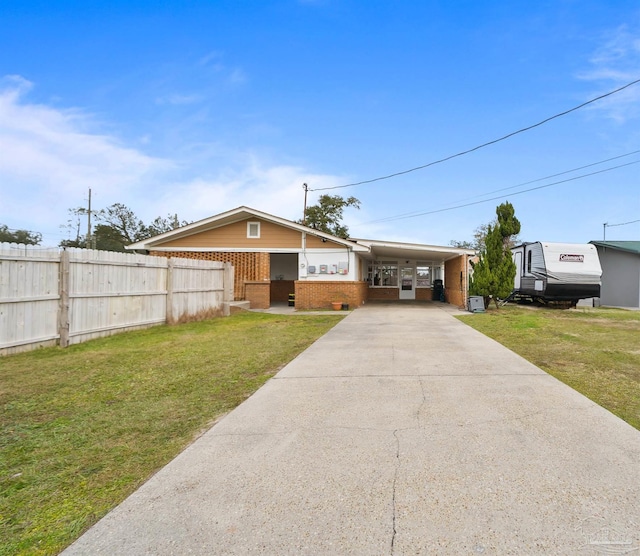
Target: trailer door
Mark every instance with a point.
(517, 258)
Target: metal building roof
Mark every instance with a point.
(628, 246)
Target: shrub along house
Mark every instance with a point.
(274, 257)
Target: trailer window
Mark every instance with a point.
(529, 262)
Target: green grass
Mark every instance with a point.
(595, 351)
(81, 428)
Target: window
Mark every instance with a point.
(423, 275)
(253, 229)
(529, 262)
(383, 273)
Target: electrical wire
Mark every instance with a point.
(494, 141)
(403, 217)
(623, 224)
(529, 182)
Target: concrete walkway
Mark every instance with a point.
(401, 431)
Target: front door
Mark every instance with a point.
(407, 282)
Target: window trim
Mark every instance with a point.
(429, 267)
(257, 225)
(376, 267)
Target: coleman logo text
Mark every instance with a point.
(572, 258)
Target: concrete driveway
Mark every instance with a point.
(401, 431)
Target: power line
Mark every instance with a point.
(402, 217)
(462, 153)
(623, 224)
(558, 174)
(532, 181)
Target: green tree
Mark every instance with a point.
(19, 236)
(124, 224)
(327, 215)
(494, 273)
(161, 225)
(480, 235)
(117, 226)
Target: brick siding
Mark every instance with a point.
(280, 290)
(377, 294)
(455, 280)
(319, 295)
(258, 294)
(424, 294)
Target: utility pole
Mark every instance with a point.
(89, 222)
(604, 231)
(304, 213)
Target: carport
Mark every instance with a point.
(410, 271)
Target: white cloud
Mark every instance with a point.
(215, 61)
(52, 156)
(273, 189)
(237, 77)
(614, 64)
(178, 99)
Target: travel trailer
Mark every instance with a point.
(556, 271)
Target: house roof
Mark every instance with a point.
(229, 217)
(628, 246)
(370, 248)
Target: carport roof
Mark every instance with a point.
(411, 251)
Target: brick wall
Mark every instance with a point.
(455, 281)
(392, 294)
(377, 294)
(280, 290)
(257, 294)
(247, 266)
(424, 294)
(319, 295)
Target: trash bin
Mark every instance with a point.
(292, 300)
(438, 290)
(476, 304)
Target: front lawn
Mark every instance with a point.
(595, 351)
(81, 428)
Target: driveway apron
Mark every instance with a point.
(401, 431)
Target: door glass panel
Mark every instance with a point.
(406, 274)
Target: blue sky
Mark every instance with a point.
(196, 107)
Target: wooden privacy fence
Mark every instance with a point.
(49, 296)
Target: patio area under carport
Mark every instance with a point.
(413, 272)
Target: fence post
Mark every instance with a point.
(63, 309)
(170, 285)
(228, 294)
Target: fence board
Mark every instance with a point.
(28, 295)
(75, 295)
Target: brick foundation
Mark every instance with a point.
(424, 294)
(387, 294)
(319, 295)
